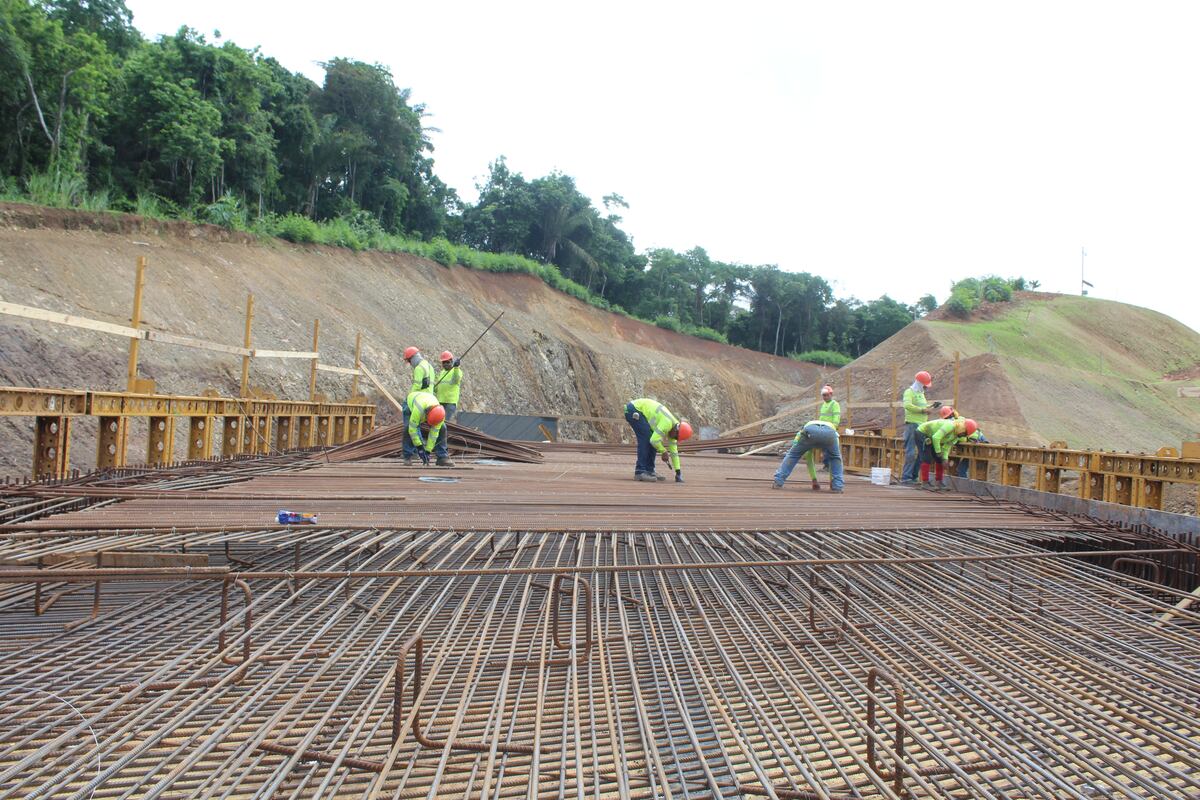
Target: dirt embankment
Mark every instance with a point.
(1094, 373)
(550, 353)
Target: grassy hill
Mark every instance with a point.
(1094, 373)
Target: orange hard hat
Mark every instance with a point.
(947, 412)
(435, 415)
(827, 389)
(446, 356)
(924, 378)
(683, 431)
(971, 426)
(409, 352)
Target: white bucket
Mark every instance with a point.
(881, 476)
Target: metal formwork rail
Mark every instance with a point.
(249, 426)
(1133, 479)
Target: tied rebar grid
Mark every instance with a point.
(1040, 678)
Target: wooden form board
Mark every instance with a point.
(72, 321)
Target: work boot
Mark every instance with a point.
(444, 461)
(658, 477)
(941, 487)
(816, 484)
(644, 476)
(408, 461)
(776, 485)
(837, 491)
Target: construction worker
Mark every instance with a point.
(962, 465)
(447, 388)
(938, 437)
(657, 430)
(422, 408)
(830, 411)
(422, 370)
(916, 408)
(815, 435)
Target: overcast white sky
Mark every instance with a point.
(888, 147)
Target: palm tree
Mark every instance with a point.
(561, 226)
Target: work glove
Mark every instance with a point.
(424, 456)
(929, 442)
(457, 361)
(666, 459)
(679, 476)
(936, 404)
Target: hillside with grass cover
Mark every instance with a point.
(1042, 368)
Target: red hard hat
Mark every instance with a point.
(827, 389)
(684, 432)
(435, 415)
(947, 412)
(446, 356)
(924, 378)
(409, 352)
(971, 427)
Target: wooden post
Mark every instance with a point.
(956, 380)
(357, 363)
(312, 377)
(895, 394)
(246, 344)
(135, 321)
(849, 410)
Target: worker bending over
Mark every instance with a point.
(657, 430)
(815, 435)
(447, 388)
(422, 370)
(422, 408)
(916, 409)
(937, 438)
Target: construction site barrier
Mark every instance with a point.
(1131, 479)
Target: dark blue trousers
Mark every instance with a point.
(645, 450)
(440, 449)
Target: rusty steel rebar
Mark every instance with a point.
(996, 654)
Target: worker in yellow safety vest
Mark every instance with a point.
(422, 370)
(657, 430)
(830, 411)
(447, 387)
(916, 409)
(815, 435)
(937, 439)
(421, 408)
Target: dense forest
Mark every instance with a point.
(93, 115)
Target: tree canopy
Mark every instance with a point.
(93, 114)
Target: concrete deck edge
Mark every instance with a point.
(1184, 527)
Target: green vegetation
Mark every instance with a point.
(826, 358)
(93, 116)
(966, 295)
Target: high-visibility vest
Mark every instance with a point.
(422, 377)
(419, 404)
(914, 405)
(448, 385)
(830, 412)
(661, 421)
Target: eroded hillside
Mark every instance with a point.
(550, 353)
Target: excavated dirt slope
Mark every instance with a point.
(1094, 373)
(550, 353)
